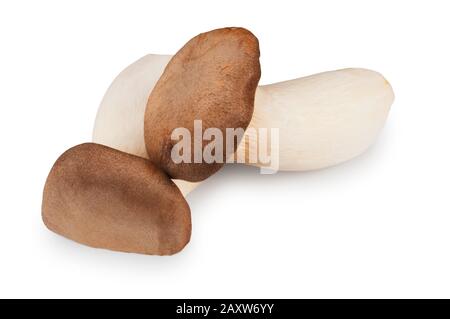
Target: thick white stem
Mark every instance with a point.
(120, 117)
(323, 119)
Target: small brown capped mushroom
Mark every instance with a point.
(212, 78)
(105, 198)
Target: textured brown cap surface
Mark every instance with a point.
(213, 78)
(105, 198)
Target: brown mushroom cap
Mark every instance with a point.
(105, 198)
(212, 78)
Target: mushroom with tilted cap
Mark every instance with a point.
(323, 119)
(105, 198)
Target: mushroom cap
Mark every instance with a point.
(105, 198)
(213, 78)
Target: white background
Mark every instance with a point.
(378, 226)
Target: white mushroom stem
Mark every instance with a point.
(323, 119)
(120, 117)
